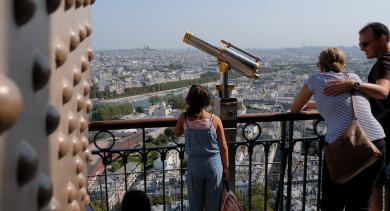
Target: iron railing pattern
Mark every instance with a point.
(269, 184)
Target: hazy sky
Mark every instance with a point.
(121, 24)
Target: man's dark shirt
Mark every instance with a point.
(381, 70)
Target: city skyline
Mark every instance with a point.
(250, 24)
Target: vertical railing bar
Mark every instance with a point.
(125, 167)
(101, 191)
(181, 156)
(105, 178)
(280, 190)
(289, 167)
(163, 180)
(144, 157)
(266, 149)
(306, 147)
(250, 152)
(320, 159)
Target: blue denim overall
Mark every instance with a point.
(204, 167)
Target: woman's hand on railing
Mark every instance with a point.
(309, 106)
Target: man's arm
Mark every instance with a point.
(380, 90)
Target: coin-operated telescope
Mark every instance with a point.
(228, 57)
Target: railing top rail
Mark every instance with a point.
(277, 116)
(170, 122)
(128, 124)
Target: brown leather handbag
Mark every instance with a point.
(351, 153)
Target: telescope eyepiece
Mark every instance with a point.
(187, 37)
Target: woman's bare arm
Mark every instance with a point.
(179, 129)
(301, 100)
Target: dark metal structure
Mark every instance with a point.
(272, 180)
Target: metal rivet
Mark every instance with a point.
(82, 33)
(87, 200)
(45, 190)
(79, 3)
(63, 145)
(72, 124)
(11, 103)
(91, 54)
(52, 119)
(67, 92)
(27, 163)
(88, 27)
(60, 55)
(89, 106)
(84, 142)
(54, 205)
(23, 11)
(52, 5)
(84, 194)
(74, 206)
(74, 41)
(76, 76)
(83, 124)
(69, 4)
(82, 180)
(76, 146)
(79, 164)
(86, 3)
(87, 89)
(71, 191)
(80, 102)
(41, 71)
(84, 64)
(88, 155)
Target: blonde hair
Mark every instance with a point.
(332, 59)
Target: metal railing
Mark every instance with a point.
(278, 162)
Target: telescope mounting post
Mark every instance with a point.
(224, 89)
(228, 115)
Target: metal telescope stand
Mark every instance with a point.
(228, 115)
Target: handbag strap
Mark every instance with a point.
(353, 101)
(225, 184)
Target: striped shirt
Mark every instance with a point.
(337, 110)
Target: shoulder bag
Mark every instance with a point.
(351, 153)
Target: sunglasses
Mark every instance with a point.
(364, 44)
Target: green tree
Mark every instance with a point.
(168, 132)
(159, 199)
(98, 205)
(177, 102)
(116, 165)
(96, 116)
(139, 109)
(115, 111)
(258, 197)
(154, 100)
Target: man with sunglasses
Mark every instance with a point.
(374, 42)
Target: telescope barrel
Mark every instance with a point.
(240, 62)
(200, 44)
(244, 65)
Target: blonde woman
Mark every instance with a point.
(338, 114)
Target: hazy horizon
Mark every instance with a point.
(269, 24)
(195, 49)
